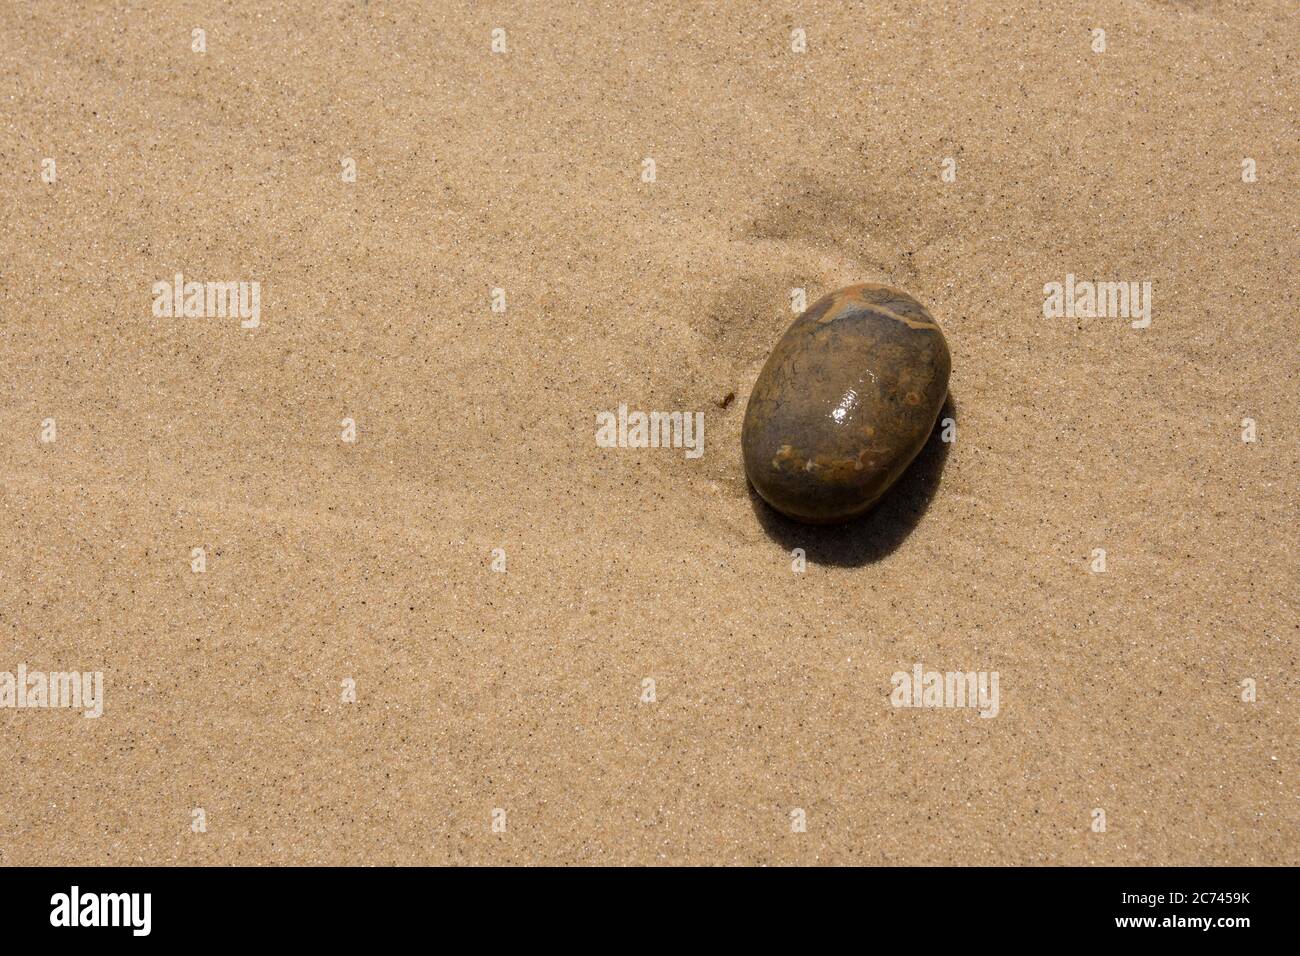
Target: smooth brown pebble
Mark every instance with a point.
(846, 400)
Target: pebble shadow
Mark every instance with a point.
(879, 532)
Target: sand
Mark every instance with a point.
(505, 717)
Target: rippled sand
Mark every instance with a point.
(331, 565)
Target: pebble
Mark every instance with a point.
(846, 400)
